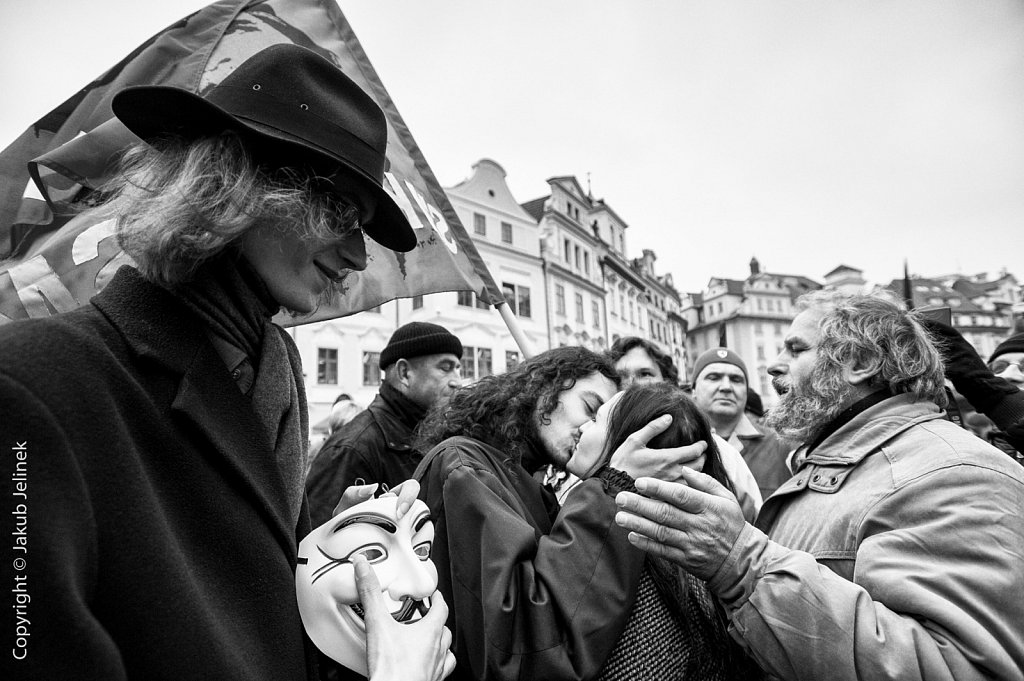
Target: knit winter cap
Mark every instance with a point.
(417, 339)
(1014, 343)
(723, 355)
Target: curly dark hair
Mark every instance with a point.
(499, 410)
(669, 371)
(640, 404)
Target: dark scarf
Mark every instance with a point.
(236, 307)
(846, 415)
(407, 411)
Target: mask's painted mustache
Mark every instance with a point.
(412, 609)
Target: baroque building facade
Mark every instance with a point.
(562, 264)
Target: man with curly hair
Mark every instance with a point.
(163, 425)
(537, 591)
(896, 550)
(638, 360)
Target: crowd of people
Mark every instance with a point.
(851, 532)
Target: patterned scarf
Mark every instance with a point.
(676, 632)
(236, 306)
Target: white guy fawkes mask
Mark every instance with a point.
(398, 550)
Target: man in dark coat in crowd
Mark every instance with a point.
(163, 425)
(421, 366)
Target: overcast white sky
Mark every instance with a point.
(808, 134)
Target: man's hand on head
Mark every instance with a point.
(693, 524)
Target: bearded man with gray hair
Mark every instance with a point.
(896, 551)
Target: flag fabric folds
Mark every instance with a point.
(58, 257)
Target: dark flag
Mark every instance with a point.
(60, 257)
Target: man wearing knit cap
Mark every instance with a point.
(421, 365)
(720, 390)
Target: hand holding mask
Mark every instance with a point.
(398, 549)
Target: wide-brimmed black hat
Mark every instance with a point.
(293, 109)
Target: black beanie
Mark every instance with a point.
(417, 339)
(1014, 343)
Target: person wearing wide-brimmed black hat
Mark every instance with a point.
(159, 432)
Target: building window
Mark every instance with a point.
(595, 307)
(518, 298)
(483, 362)
(577, 252)
(523, 301)
(371, 368)
(465, 298)
(327, 366)
(559, 299)
(586, 262)
(506, 233)
(579, 307)
(511, 360)
(760, 352)
(417, 302)
(758, 329)
(632, 316)
(568, 251)
(760, 305)
(476, 362)
(479, 224)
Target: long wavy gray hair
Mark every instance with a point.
(180, 204)
(877, 329)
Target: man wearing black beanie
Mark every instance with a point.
(421, 366)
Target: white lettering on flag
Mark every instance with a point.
(37, 284)
(86, 246)
(434, 217)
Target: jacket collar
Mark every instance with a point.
(397, 433)
(867, 431)
(745, 429)
(157, 326)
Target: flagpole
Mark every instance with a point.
(908, 289)
(517, 331)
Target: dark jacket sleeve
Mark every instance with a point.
(528, 605)
(335, 468)
(995, 397)
(1008, 415)
(56, 569)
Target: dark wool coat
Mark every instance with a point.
(159, 544)
(374, 445)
